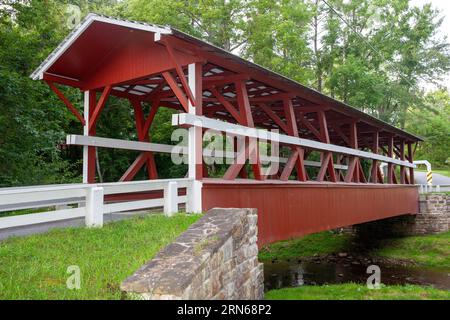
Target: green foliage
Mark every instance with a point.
(318, 243)
(35, 267)
(432, 122)
(430, 250)
(304, 40)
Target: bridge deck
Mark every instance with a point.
(291, 209)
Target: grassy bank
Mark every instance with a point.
(36, 267)
(352, 291)
(444, 172)
(431, 250)
(307, 246)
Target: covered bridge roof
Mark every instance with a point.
(106, 51)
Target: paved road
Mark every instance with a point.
(438, 180)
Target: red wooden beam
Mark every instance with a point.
(176, 90)
(222, 80)
(272, 115)
(411, 159)
(179, 71)
(227, 105)
(376, 176)
(62, 80)
(341, 134)
(251, 149)
(153, 110)
(309, 126)
(297, 157)
(327, 157)
(391, 169)
(66, 102)
(99, 107)
(143, 135)
(135, 167)
(403, 177)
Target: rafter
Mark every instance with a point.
(66, 102)
(227, 105)
(272, 115)
(99, 107)
(176, 90)
(179, 71)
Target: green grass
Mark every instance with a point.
(444, 172)
(23, 211)
(430, 250)
(35, 267)
(350, 291)
(319, 243)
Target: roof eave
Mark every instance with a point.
(38, 74)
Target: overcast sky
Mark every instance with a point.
(444, 6)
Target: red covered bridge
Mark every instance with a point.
(328, 175)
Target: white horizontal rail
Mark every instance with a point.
(234, 129)
(41, 204)
(26, 196)
(34, 197)
(140, 186)
(42, 217)
(166, 148)
(132, 205)
(118, 144)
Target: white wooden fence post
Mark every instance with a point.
(86, 133)
(171, 198)
(94, 207)
(194, 197)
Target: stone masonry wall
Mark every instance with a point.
(433, 218)
(216, 258)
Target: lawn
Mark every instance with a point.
(350, 291)
(307, 246)
(35, 267)
(444, 172)
(430, 250)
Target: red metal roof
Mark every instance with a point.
(99, 39)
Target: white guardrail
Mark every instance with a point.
(426, 188)
(89, 200)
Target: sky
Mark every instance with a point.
(444, 7)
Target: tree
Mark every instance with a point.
(433, 124)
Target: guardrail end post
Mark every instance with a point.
(171, 198)
(194, 197)
(94, 207)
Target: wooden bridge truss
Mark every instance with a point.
(162, 67)
(157, 67)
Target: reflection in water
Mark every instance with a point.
(282, 274)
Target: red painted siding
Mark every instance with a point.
(291, 210)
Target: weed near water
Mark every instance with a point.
(351, 291)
